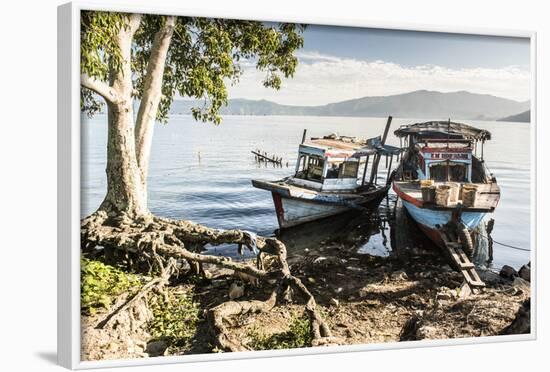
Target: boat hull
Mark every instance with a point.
(296, 211)
(292, 212)
(429, 219)
(297, 205)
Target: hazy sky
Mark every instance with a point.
(339, 63)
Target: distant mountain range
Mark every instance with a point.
(417, 104)
(524, 117)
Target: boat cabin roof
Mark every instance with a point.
(443, 130)
(337, 144)
(344, 146)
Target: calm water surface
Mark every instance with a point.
(202, 172)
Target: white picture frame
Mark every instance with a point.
(69, 184)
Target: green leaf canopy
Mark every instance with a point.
(205, 54)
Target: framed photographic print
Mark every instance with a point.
(234, 187)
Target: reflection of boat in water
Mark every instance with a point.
(357, 231)
(317, 233)
(330, 179)
(440, 178)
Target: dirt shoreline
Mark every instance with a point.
(365, 299)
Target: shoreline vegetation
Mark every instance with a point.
(411, 295)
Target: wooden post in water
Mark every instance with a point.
(304, 136)
(374, 169)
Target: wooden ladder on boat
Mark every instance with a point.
(462, 262)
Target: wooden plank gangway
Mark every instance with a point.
(461, 261)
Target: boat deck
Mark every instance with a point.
(486, 200)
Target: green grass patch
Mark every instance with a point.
(101, 283)
(175, 318)
(297, 336)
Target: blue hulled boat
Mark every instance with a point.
(441, 178)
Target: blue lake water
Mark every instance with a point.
(202, 172)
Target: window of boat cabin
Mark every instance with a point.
(310, 167)
(345, 169)
(449, 171)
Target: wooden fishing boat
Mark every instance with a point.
(442, 180)
(330, 178)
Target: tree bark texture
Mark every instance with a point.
(126, 194)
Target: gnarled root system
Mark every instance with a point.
(159, 242)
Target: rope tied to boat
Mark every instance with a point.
(505, 245)
(511, 246)
(500, 243)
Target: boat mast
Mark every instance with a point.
(365, 170)
(448, 139)
(389, 169)
(448, 132)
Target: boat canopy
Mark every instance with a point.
(443, 130)
(382, 149)
(353, 147)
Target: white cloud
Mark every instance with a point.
(321, 79)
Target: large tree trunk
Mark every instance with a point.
(126, 194)
(129, 146)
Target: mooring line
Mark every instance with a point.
(506, 245)
(511, 246)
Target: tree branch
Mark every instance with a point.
(99, 87)
(135, 22)
(152, 93)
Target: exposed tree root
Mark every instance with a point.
(156, 241)
(320, 330)
(218, 315)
